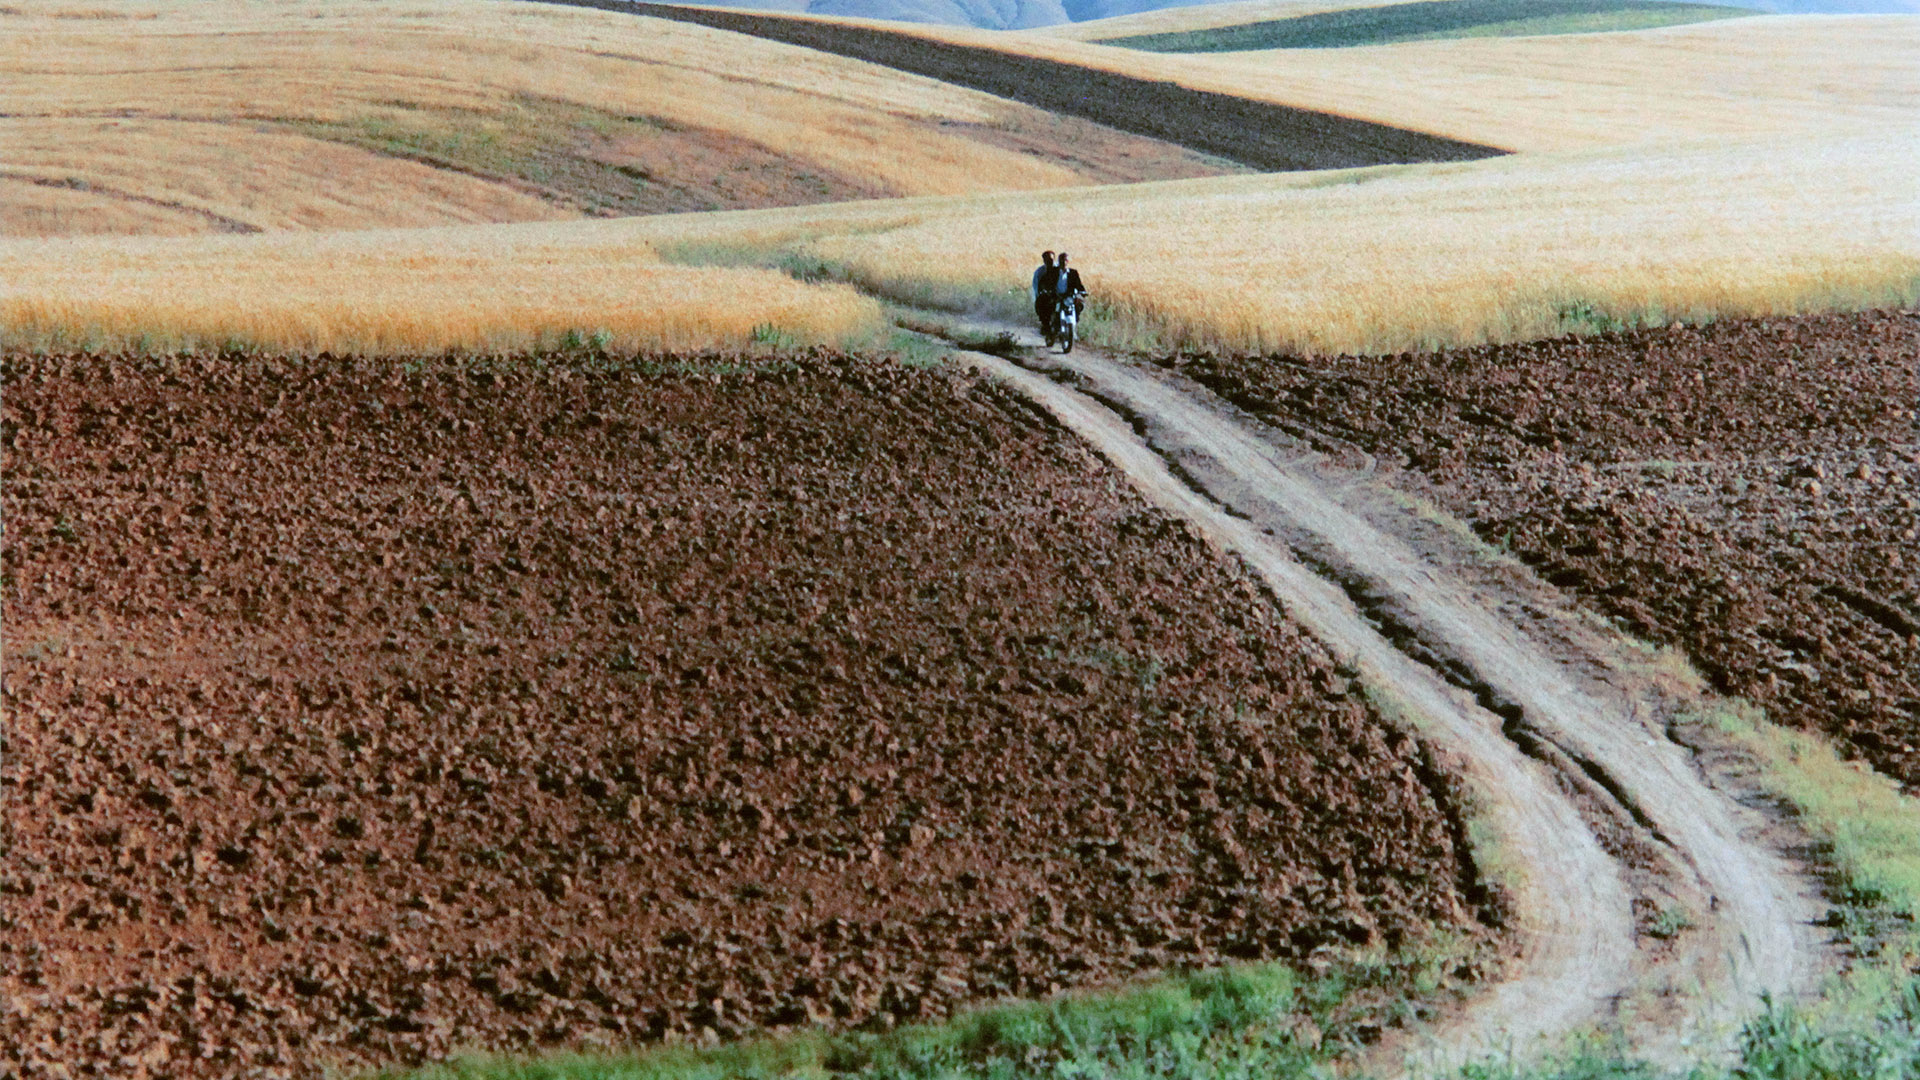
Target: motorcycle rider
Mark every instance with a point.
(1042, 288)
(1066, 282)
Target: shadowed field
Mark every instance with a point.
(1430, 19)
(1726, 79)
(1259, 134)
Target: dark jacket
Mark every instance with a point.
(1042, 284)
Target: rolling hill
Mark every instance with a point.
(1428, 20)
(1367, 260)
(356, 115)
(1269, 135)
(1731, 78)
(1104, 18)
(1694, 169)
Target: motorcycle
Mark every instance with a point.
(1066, 321)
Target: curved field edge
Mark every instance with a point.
(1390, 259)
(1265, 135)
(1377, 260)
(1430, 20)
(1725, 79)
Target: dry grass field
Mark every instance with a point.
(504, 288)
(1392, 258)
(179, 116)
(1781, 75)
(1687, 222)
(70, 175)
(1370, 260)
(1800, 74)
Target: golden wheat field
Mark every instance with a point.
(484, 288)
(1399, 257)
(1369, 260)
(1740, 77)
(1750, 185)
(1785, 74)
(183, 116)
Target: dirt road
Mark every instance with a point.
(1617, 835)
(1744, 492)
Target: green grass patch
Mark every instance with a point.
(789, 256)
(539, 142)
(1869, 831)
(1866, 1024)
(1254, 1020)
(915, 350)
(1431, 20)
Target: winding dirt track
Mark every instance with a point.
(1478, 676)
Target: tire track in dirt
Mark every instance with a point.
(1573, 904)
(1263, 135)
(1410, 624)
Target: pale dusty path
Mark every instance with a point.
(1481, 685)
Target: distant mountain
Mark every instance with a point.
(1836, 7)
(1026, 14)
(987, 14)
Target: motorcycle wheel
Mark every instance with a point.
(1066, 338)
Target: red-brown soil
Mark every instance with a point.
(362, 710)
(1745, 491)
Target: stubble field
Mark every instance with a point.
(361, 711)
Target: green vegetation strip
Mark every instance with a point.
(539, 143)
(1255, 1020)
(1866, 1026)
(1430, 20)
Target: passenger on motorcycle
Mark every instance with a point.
(1069, 303)
(1066, 282)
(1042, 289)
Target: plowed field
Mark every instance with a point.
(362, 710)
(1744, 491)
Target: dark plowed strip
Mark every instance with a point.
(1255, 133)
